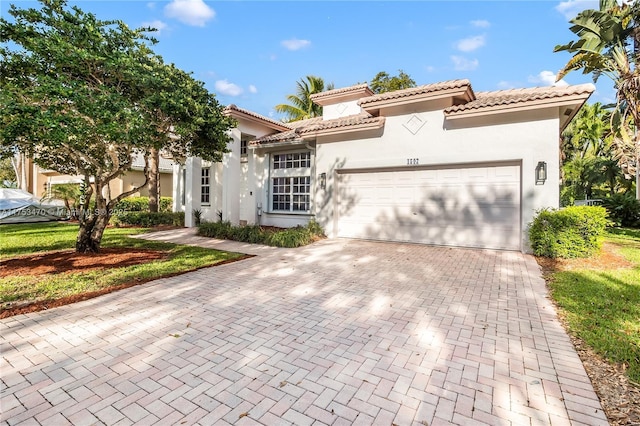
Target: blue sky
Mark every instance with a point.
(251, 53)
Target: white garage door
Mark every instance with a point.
(458, 206)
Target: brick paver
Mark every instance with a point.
(339, 332)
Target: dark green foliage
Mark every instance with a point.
(147, 220)
(141, 204)
(624, 210)
(255, 234)
(82, 96)
(571, 232)
(383, 82)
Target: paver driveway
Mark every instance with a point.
(339, 332)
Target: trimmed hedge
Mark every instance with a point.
(141, 204)
(147, 220)
(255, 234)
(567, 233)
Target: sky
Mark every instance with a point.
(251, 53)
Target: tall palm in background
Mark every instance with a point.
(300, 106)
(590, 168)
(609, 43)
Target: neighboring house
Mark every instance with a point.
(436, 164)
(39, 180)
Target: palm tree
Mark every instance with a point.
(609, 43)
(300, 105)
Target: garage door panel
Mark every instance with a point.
(472, 207)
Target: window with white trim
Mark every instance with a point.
(291, 182)
(205, 186)
(243, 147)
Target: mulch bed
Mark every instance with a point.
(620, 398)
(69, 261)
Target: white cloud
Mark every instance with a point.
(505, 85)
(151, 5)
(470, 44)
(295, 44)
(463, 64)
(190, 12)
(253, 89)
(546, 78)
(571, 8)
(481, 23)
(157, 24)
(229, 89)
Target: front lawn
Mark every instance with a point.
(25, 239)
(600, 299)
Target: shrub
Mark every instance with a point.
(255, 234)
(571, 232)
(141, 204)
(147, 220)
(624, 210)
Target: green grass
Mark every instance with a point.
(22, 239)
(602, 306)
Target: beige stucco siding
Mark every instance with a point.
(427, 138)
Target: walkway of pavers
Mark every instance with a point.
(340, 332)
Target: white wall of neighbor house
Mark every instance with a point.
(426, 138)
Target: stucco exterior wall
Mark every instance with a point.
(428, 139)
(341, 109)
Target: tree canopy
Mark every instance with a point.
(383, 82)
(300, 105)
(609, 44)
(82, 96)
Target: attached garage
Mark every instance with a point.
(476, 205)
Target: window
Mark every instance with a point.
(243, 147)
(292, 161)
(291, 182)
(184, 185)
(205, 186)
(292, 194)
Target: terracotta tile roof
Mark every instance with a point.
(330, 93)
(503, 98)
(317, 124)
(427, 88)
(232, 107)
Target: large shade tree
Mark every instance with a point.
(383, 82)
(300, 105)
(609, 44)
(79, 96)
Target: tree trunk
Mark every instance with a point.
(93, 222)
(638, 177)
(153, 184)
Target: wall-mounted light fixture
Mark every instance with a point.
(322, 179)
(541, 173)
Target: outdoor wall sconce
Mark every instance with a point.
(541, 173)
(322, 178)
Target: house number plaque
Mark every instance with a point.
(412, 162)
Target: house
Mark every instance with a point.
(435, 164)
(39, 181)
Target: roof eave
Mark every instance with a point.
(276, 144)
(237, 114)
(347, 129)
(464, 92)
(578, 100)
